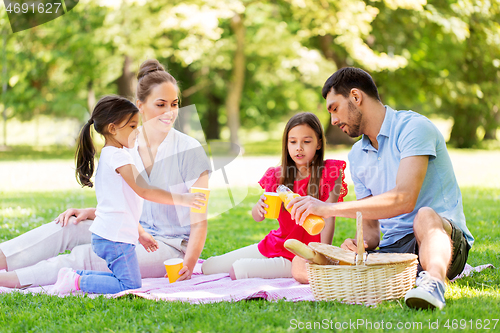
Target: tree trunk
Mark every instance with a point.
(333, 134)
(126, 81)
(469, 115)
(464, 130)
(235, 85)
(325, 45)
(213, 128)
(492, 125)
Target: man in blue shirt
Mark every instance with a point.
(404, 183)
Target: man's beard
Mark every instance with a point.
(354, 119)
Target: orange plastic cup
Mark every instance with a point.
(203, 209)
(273, 200)
(173, 266)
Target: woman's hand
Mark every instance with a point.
(193, 200)
(148, 241)
(79, 214)
(185, 272)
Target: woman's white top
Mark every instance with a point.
(179, 162)
(118, 206)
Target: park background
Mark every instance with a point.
(247, 66)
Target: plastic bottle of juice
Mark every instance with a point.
(313, 223)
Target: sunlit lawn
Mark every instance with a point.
(473, 298)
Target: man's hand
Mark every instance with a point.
(351, 244)
(79, 214)
(148, 241)
(302, 207)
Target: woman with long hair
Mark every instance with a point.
(167, 159)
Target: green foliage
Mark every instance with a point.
(453, 64)
(429, 56)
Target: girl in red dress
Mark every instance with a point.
(304, 170)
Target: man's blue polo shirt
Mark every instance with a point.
(403, 134)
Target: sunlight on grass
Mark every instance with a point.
(468, 298)
(10, 212)
(479, 290)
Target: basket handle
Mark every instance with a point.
(360, 241)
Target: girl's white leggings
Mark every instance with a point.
(248, 262)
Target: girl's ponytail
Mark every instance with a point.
(85, 152)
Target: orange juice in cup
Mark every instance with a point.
(273, 200)
(173, 266)
(313, 223)
(202, 209)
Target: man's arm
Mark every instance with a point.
(400, 200)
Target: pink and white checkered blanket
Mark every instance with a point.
(220, 288)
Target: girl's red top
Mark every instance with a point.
(272, 245)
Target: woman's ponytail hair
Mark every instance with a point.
(109, 110)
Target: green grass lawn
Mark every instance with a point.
(470, 301)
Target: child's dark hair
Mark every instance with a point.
(289, 170)
(109, 110)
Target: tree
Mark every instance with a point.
(341, 31)
(452, 68)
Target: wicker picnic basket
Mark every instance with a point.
(360, 278)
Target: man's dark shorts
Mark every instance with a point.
(408, 244)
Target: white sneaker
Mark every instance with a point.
(429, 293)
(67, 282)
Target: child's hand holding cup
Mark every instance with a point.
(273, 202)
(206, 191)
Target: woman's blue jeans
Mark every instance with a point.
(122, 261)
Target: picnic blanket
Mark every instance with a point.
(219, 288)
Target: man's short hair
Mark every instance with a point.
(347, 78)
